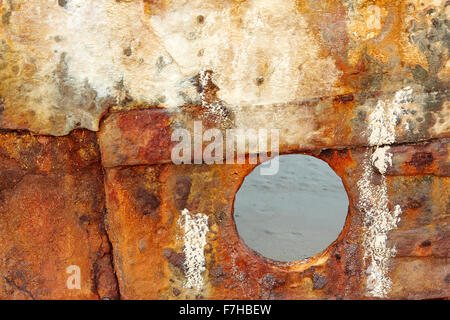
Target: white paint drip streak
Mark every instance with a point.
(373, 200)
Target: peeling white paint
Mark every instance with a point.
(195, 228)
(259, 40)
(379, 220)
(103, 29)
(115, 48)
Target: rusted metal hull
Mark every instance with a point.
(53, 209)
(87, 179)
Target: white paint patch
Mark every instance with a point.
(382, 124)
(195, 228)
(95, 35)
(117, 49)
(383, 120)
(373, 199)
(260, 40)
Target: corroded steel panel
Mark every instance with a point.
(51, 217)
(146, 226)
(92, 92)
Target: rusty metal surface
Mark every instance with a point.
(144, 232)
(51, 216)
(370, 99)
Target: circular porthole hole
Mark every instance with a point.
(293, 214)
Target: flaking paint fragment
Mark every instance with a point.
(195, 228)
(381, 158)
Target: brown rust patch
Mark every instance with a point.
(136, 137)
(175, 259)
(421, 158)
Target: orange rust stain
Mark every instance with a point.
(155, 7)
(339, 160)
(420, 163)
